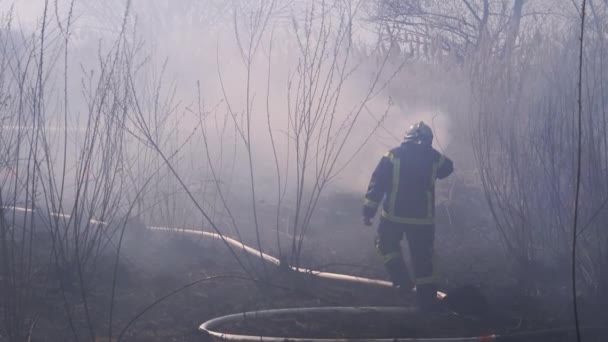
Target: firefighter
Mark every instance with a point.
(403, 183)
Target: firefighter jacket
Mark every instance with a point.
(404, 182)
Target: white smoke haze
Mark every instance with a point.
(263, 120)
(191, 77)
(217, 55)
(189, 61)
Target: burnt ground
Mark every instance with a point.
(154, 266)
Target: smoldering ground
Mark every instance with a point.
(266, 120)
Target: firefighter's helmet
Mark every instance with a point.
(419, 133)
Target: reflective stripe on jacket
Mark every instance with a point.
(404, 183)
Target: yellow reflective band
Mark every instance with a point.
(390, 256)
(408, 220)
(427, 280)
(370, 203)
(434, 278)
(436, 166)
(395, 185)
(429, 204)
(389, 155)
(429, 195)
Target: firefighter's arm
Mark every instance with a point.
(445, 167)
(378, 186)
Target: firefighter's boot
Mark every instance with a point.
(398, 274)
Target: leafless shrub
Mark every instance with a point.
(525, 145)
(434, 30)
(308, 132)
(70, 178)
(521, 65)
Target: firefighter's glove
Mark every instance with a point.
(367, 221)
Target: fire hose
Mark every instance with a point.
(210, 327)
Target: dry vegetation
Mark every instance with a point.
(284, 108)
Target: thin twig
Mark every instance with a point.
(578, 171)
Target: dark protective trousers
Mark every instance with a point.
(421, 239)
